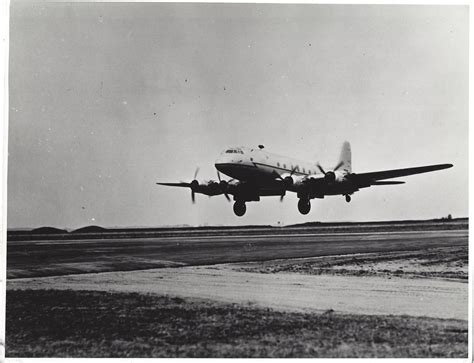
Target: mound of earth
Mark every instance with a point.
(48, 230)
(90, 229)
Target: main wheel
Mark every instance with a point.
(348, 198)
(239, 208)
(304, 206)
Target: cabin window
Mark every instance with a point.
(304, 171)
(284, 166)
(278, 164)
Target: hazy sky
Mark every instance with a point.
(108, 98)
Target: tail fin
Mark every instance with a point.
(346, 159)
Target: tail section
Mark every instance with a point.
(345, 160)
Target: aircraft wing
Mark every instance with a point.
(181, 184)
(367, 179)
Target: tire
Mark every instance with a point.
(239, 209)
(304, 206)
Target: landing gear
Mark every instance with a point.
(239, 208)
(348, 198)
(304, 206)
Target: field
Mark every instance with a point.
(375, 290)
(100, 324)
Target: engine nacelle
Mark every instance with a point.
(194, 185)
(224, 186)
(288, 180)
(332, 177)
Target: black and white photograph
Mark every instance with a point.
(237, 180)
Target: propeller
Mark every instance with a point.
(223, 185)
(330, 176)
(288, 180)
(194, 185)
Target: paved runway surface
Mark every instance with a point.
(49, 258)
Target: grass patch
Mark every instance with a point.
(47, 323)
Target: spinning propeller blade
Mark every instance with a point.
(194, 184)
(338, 166)
(321, 168)
(223, 186)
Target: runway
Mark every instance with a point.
(51, 258)
(63, 257)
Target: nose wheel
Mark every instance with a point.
(239, 208)
(304, 206)
(348, 198)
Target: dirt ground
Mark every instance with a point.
(445, 262)
(431, 297)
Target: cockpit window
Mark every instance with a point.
(234, 151)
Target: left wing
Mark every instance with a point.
(367, 179)
(182, 184)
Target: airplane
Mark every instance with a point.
(256, 173)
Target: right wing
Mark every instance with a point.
(367, 179)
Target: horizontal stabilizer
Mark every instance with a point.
(394, 182)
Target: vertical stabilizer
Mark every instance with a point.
(346, 159)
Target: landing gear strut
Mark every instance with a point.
(348, 198)
(304, 206)
(239, 208)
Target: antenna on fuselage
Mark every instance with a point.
(261, 147)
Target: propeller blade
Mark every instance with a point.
(223, 185)
(338, 166)
(193, 197)
(196, 173)
(321, 168)
(281, 197)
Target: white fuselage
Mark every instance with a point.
(244, 163)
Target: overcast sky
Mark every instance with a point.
(108, 98)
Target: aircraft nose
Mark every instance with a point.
(219, 165)
(222, 166)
